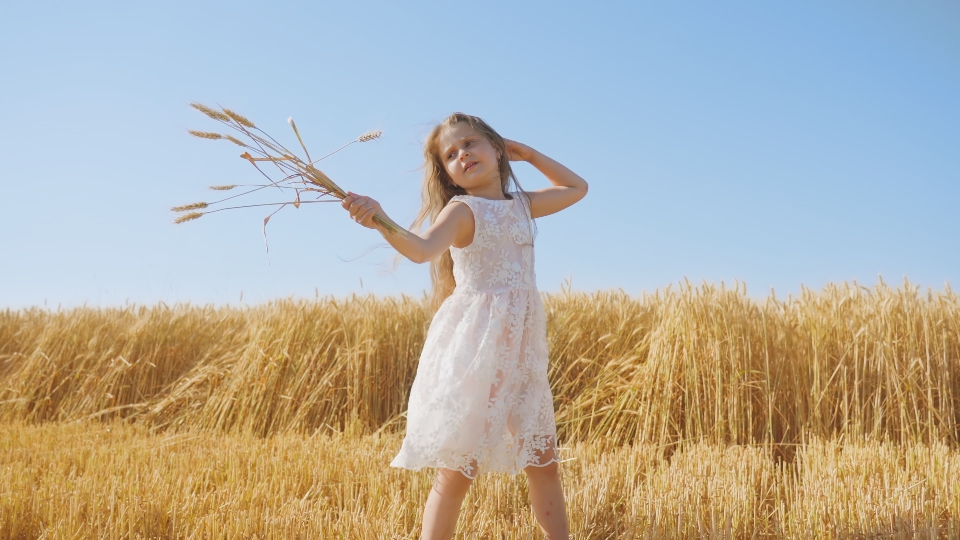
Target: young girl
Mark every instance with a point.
(480, 401)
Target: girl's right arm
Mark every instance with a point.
(451, 224)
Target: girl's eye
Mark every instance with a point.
(468, 143)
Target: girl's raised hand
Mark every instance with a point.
(362, 209)
(518, 151)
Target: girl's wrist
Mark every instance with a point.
(534, 156)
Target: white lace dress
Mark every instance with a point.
(481, 401)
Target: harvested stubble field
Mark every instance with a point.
(694, 412)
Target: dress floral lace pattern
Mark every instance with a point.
(481, 401)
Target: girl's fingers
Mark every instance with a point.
(360, 202)
(367, 218)
(351, 203)
(362, 209)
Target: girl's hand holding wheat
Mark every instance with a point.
(362, 209)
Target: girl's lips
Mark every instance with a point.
(469, 166)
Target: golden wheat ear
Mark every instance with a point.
(297, 132)
(212, 113)
(235, 141)
(191, 206)
(238, 118)
(188, 217)
(205, 134)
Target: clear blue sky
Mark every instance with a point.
(776, 143)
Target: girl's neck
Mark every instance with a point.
(487, 192)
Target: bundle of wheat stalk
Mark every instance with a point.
(298, 177)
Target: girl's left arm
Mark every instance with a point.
(567, 188)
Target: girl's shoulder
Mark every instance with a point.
(461, 210)
(514, 195)
(467, 200)
(518, 204)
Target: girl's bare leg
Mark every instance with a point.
(546, 497)
(443, 505)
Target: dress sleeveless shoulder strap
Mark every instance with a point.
(474, 203)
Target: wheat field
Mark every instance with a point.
(693, 412)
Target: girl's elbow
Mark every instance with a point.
(419, 257)
(580, 193)
(429, 251)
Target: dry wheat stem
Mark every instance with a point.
(262, 204)
(260, 143)
(240, 127)
(368, 136)
(279, 148)
(248, 157)
(268, 185)
(240, 123)
(264, 186)
(282, 147)
(258, 187)
(295, 170)
(195, 215)
(297, 132)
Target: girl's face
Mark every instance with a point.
(469, 158)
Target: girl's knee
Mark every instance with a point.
(551, 469)
(451, 482)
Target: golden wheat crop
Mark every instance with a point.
(116, 480)
(691, 412)
(698, 363)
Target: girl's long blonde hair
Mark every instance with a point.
(438, 189)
